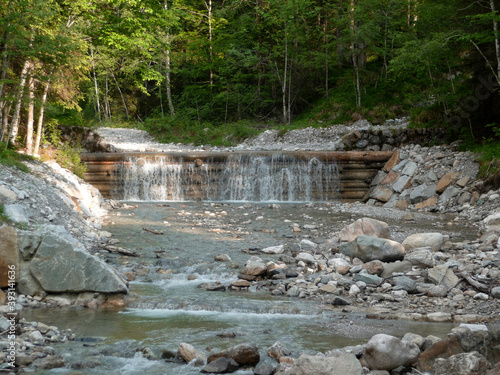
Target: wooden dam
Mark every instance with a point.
(235, 176)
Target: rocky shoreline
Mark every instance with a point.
(425, 276)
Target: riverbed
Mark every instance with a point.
(177, 243)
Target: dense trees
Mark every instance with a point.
(215, 61)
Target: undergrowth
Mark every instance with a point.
(3, 216)
(11, 158)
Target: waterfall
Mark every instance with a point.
(270, 178)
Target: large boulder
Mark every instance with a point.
(243, 354)
(369, 248)
(61, 264)
(367, 227)
(385, 352)
(433, 240)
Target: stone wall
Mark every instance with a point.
(429, 178)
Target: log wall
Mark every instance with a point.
(356, 168)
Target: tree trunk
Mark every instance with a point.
(284, 81)
(497, 37)
(39, 127)
(121, 95)
(355, 55)
(96, 87)
(3, 73)
(208, 5)
(31, 116)
(169, 84)
(14, 126)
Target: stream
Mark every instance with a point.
(169, 308)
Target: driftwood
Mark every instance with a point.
(120, 250)
(152, 231)
(485, 288)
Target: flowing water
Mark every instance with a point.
(171, 309)
(241, 177)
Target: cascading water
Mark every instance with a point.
(275, 177)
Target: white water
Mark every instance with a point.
(274, 178)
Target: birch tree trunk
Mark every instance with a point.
(96, 87)
(14, 126)
(39, 127)
(168, 69)
(208, 5)
(169, 84)
(121, 95)
(31, 116)
(354, 55)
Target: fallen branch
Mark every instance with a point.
(152, 231)
(120, 250)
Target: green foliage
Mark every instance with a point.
(10, 157)
(182, 129)
(69, 157)
(3, 216)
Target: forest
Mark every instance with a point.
(190, 70)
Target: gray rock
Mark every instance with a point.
(449, 193)
(433, 240)
(442, 275)
(338, 364)
(368, 278)
(220, 366)
(422, 192)
(401, 183)
(274, 249)
(405, 283)
(421, 257)
(495, 292)
(409, 169)
(306, 258)
(307, 245)
(267, 367)
(384, 352)
(62, 265)
(369, 248)
(16, 213)
(396, 267)
(4, 324)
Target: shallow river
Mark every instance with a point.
(170, 309)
